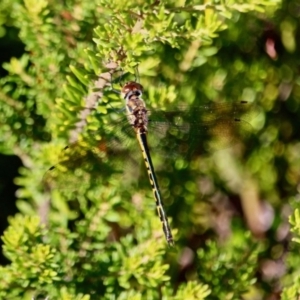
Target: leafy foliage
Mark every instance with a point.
(225, 268)
(96, 235)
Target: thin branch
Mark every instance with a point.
(92, 100)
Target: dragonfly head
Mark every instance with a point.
(131, 88)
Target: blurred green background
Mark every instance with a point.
(239, 52)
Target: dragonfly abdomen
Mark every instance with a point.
(142, 137)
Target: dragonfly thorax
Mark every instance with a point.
(137, 114)
(135, 106)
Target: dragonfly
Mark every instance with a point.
(177, 133)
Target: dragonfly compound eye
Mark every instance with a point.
(132, 88)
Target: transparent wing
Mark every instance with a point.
(177, 133)
(199, 129)
(95, 158)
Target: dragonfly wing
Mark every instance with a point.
(204, 113)
(95, 158)
(199, 129)
(77, 166)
